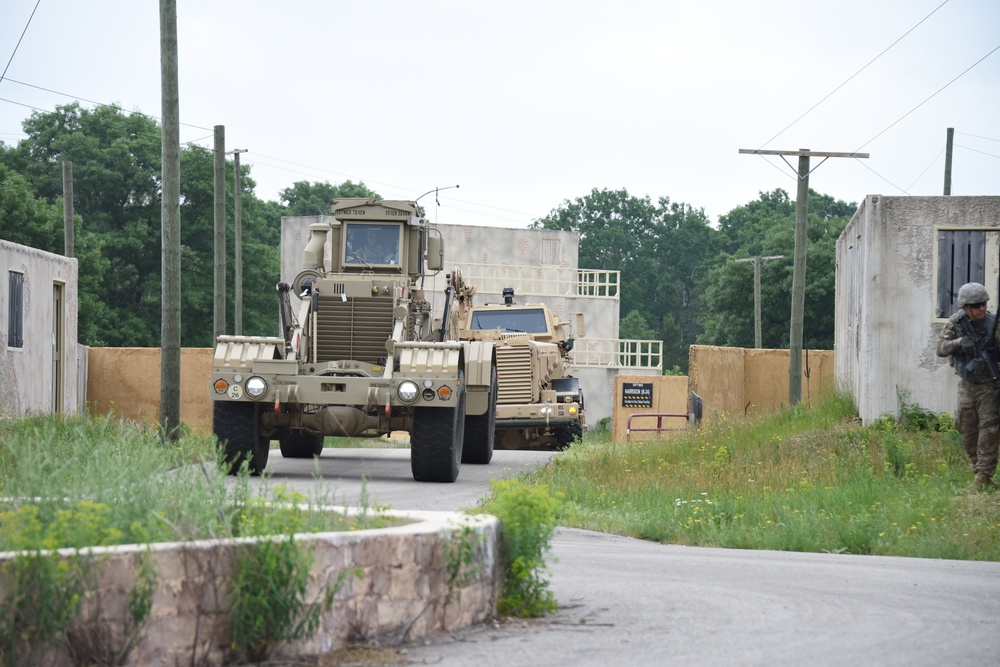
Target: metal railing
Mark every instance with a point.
(541, 280)
(659, 428)
(617, 353)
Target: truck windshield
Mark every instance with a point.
(531, 320)
(371, 244)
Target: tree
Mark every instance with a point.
(660, 249)
(116, 168)
(767, 227)
(635, 327)
(316, 198)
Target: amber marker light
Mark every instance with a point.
(221, 386)
(444, 393)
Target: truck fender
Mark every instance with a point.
(480, 359)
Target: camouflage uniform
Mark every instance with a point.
(978, 416)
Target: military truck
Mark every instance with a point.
(360, 353)
(540, 405)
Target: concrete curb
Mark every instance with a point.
(404, 590)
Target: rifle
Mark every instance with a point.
(983, 347)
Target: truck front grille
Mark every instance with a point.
(354, 329)
(514, 368)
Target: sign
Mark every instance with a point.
(637, 395)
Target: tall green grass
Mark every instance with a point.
(81, 481)
(800, 480)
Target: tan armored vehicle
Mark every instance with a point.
(540, 405)
(360, 354)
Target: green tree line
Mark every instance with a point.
(680, 282)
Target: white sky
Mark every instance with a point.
(527, 104)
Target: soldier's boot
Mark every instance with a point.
(984, 481)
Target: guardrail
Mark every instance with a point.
(551, 281)
(617, 353)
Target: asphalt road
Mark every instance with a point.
(629, 602)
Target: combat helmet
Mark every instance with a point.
(972, 293)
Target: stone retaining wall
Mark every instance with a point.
(403, 591)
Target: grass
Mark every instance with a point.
(82, 481)
(801, 480)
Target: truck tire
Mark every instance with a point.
(436, 440)
(480, 430)
(237, 428)
(298, 444)
(567, 435)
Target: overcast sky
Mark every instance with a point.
(527, 104)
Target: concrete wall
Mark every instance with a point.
(740, 381)
(732, 381)
(886, 325)
(26, 373)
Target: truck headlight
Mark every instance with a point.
(407, 391)
(256, 387)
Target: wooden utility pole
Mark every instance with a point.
(219, 319)
(238, 235)
(799, 260)
(756, 293)
(68, 243)
(949, 143)
(170, 228)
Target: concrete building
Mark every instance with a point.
(42, 367)
(542, 267)
(900, 262)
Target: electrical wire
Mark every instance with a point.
(807, 111)
(924, 171)
(934, 94)
(977, 151)
(94, 102)
(18, 45)
(976, 136)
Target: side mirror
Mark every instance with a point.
(435, 253)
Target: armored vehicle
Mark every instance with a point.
(360, 353)
(540, 405)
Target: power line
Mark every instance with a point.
(256, 161)
(18, 45)
(924, 171)
(855, 74)
(100, 104)
(929, 98)
(977, 151)
(976, 136)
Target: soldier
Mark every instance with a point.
(978, 417)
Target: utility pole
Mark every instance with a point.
(756, 293)
(238, 250)
(799, 260)
(170, 228)
(68, 244)
(219, 319)
(947, 160)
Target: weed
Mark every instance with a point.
(461, 561)
(527, 516)
(40, 597)
(267, 592)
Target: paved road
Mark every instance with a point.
(631, 602)
(387, 479)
